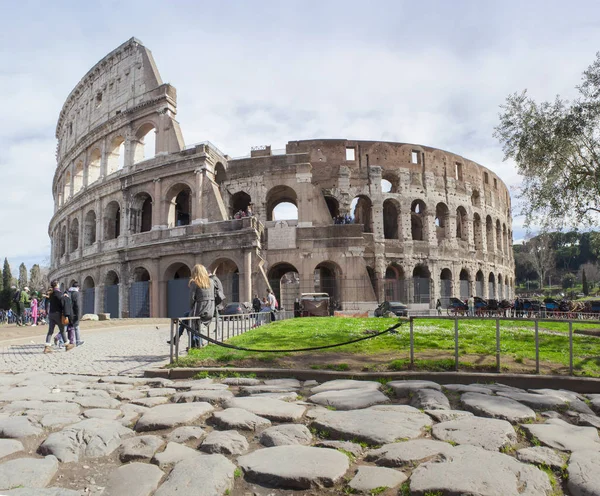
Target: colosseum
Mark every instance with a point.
(364, 221)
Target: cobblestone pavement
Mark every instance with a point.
(118, 351)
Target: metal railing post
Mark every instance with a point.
(570, 347)
(177, 340)
(171, 342)
(412, 343)
(456, 344)
(537, 347)
(497, 345)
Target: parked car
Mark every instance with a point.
(234, 308)
(397, 308)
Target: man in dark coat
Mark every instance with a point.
(55, 317)
(76, 303)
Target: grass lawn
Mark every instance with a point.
(434, 346)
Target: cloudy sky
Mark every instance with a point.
(265, 72)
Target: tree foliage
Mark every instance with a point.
(6, 275)
(584, 283)
(541, 255)
(22, 276)
(36, 279)
(556, 148)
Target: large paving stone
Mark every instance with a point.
(154, 392)
(588, 420)
(490, 434)
(103, 413)
(372, 425)
(90, 438)
(96, 402)
(349, 399)
(539, 455)
(39, 393)
(225, 443)
(595, 404)
(9, 446)
(497, 407)
(562, 394)
(403, 388)
(535, 401)
(27, 472)
(131, 394)
(211, 396)
(352, 448)
(151, 402)
(167, 416)
(140, 448)
(285, 434)
(251, 390)
(203, 475)
(295, 467)
(475, 471)
(42, 406)
(444, 415)
(292, 383)
(238, 418)
(38, 491)
(276, 410)
(408, 452)
(242, 381)
(18, 427)
(584, 476)
(561, 435)
(341, 384)
(173, 453)
(369, 478)
(429, 399)
(133, 479)
(291, 396)
(468, 388)
(186, 433)
(57, 420)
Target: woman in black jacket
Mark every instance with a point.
(56, 312)
(202, 299)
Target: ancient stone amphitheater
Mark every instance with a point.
(135, 209)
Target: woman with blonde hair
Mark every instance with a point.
(202, 297)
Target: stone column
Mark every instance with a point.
(155, 289)
(157, 206)
(246, 289)
(198, 216)
(72, 185)
(103, 160)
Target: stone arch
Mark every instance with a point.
(333, 205)
(78, 177)
(492, 286)
(391, 217)
(141, 213)
(284, 280)
(220, 173)
(112, 220)
(239, 202)
(94, 166)
(141, 274)
(89, 229)
(479, 280)
(279, 195)
(327, 275)
(499, 287)
(476, 198)
(442, 221)
(462, 232)
(111, 278)
(477, 232)
(489, 233)
(392, 181)
(446, 287)
(464, 278)
(421, 284)
(417, 223)
(67, 186)
(177, 270)
(179, 205)
(362, 212)
(498, 236)
(112, 304)
(228, 273)
(505, 248)
(115, 158)
(74, 236)
(63, 240)
(395, 283)
(145, 142)
(88, 283)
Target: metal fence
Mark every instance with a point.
(111, 301)
(139, 300)
(88, 296)
(222, 328)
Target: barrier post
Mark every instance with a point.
(171, 342)
(456, 344)
(497, 345)
(177, 340)
(537, 347)
(412, 343)
(570, 347)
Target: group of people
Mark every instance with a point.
(343, 219)
(267, 304)
(240, 214)
(63, 309)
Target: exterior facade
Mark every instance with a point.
(135, 209)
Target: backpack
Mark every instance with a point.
(219, 294)
(17, 296)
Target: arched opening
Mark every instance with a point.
(442, 216)
(240, 202)
(491, 286)
(220, 173)
(389, 183)
(179, 202)
(500, 287)
(115, 159)
(112, 221)
(334, 208)
(89, 229)
(479, 284)
(372, 279)
(476, 198)
(139, 294)
(505, 245)
(111, 294)
(145, 146)
(464, 284)
(477, 234)
(88, 294)
(462, 232)
(63, 240)
(78, 177)
(177, 276)
(74, 236)
(489, 233)
(326, 277)
(361, 208)
(422, 284)
(498, 236)
(94, 168)
(228, 273)
(445, 287)
(67, 186)
(417, 216)
(395, 284)
(282, 203)
(386, 186)
(141, 213)
(390, 219)
(285, 283)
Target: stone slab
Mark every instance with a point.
(140, 448)
(408, 452)
(369, 478)
(403, 388)
(540, 455)
(239, 418)
(584, 476)
(225, 443)
(497, 407)
(28, 472)
(349, 399)
(133, 479)
(557, 433)
(490, 434)
(276, 410)
(285, 434)
(341, 384)
(167, 416)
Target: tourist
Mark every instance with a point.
(471, 306)
(202, 298)
(256, 303)
(76, 302)
(68, 313)
(272, 304)
(438, 307)
(34, 309)
(55, 316)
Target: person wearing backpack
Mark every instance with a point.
(55, 317)
(16, 303)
